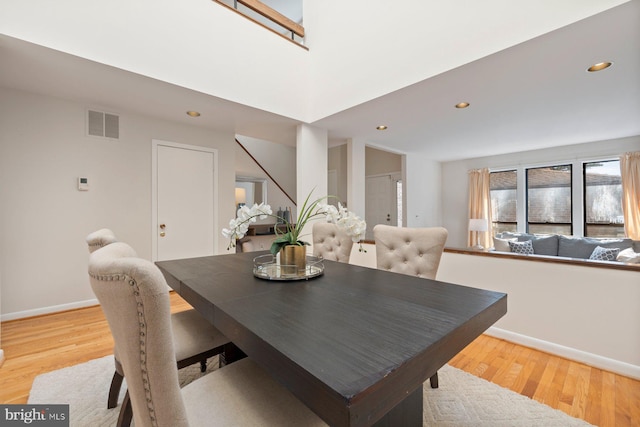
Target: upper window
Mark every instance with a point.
(603, 215)
(549, 200)
(503, 186)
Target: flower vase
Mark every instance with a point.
(293, 259)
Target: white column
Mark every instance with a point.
(312, 167)
(422, 190)
(356, 175)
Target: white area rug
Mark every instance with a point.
(462, 400)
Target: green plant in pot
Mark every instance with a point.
(288, 239)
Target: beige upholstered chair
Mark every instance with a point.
(100, 238)
(331, 242)
(196, 339)
(411, 251)
(133, 295)
(257, 243)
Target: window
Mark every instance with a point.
(540, 200)
(399, 201)
(603, 199)
(502, 187)
(549, 200)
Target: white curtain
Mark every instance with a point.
(480, 205)
(630, 172)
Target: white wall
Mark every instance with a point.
(45, 219)
(196, 44)
(583, 313)
(379, 162)
(455, 199)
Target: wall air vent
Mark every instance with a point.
(102, 124)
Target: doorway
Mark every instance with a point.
(383, 201)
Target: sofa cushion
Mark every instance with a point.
(525, 247)
(545, 245)
(604, 254)
(502, 245)
(520, 237)
(574, 247)
(629, 255)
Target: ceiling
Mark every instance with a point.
(530, 96)
(534, 95)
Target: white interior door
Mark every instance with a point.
(183, 223)
(380, 202)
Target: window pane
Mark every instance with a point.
(399, 201)
(503, 201)
(549, 200)
(603, 199)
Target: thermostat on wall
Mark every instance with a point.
(83, 183)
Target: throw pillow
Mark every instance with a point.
(629, 255)
(502, 245)
(604, 254)
(525, 248)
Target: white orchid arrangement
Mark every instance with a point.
(353, 225)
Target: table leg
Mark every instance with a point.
(230, 354)
(407, 413)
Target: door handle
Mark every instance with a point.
(162, 226)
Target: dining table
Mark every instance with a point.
(354, 344)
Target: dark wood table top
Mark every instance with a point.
(352, 343)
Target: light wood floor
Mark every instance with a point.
(46, 343)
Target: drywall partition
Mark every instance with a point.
(582, 313)
(196, 44)
(455, 199)
(45, 218)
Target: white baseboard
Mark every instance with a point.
(48, 310)
(612, 365)
(1, 356)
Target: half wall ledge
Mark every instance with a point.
(548, 259)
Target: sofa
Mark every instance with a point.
(589, 248)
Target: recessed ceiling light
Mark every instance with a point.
(193, 114)
(599, 66)
(381, 127)
(462, 105)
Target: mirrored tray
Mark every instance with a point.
(267, 267)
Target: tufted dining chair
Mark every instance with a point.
(331, 242)
(411, 251)
(133, 295)
(100, 238)
(196, 339)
